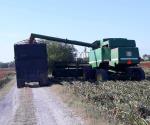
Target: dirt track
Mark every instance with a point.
(35, 106)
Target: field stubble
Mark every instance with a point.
(115, 102)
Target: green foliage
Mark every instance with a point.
(3, 65)
(59, 52)
(7, 65)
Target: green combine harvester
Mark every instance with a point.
(109, 59)
(116, 58)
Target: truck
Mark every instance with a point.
(31, 63)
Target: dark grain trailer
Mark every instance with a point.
(31, 63)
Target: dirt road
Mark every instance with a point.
(35, 106)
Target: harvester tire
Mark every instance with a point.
(87, 73)
(101, 75)
(42, 84)
(136, 73)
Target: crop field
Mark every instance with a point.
(118, 102)
(4, 72)
(145, 64)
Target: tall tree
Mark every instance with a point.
(59, 52)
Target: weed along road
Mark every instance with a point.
(34, 106)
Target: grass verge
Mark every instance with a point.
(6, 84)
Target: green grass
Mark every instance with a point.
(4, 81)
(6, 85)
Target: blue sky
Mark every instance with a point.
(84, 20)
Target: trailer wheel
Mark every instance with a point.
(136, 74)
(43, 83)
(101, 75)
(20, 84)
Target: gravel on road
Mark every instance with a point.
(35, 106)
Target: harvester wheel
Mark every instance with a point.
(41, 84)
(20, 84)
(87, 73)
(136, 73)
(101, 75)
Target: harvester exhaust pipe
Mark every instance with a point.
(60, 40)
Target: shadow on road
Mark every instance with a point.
(50, 82)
